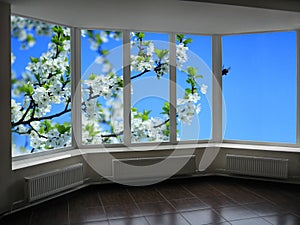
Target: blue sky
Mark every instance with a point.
(260, 90)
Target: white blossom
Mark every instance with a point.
(203, 89)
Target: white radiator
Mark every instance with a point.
(150, 167)
(257, 166)
(52, 182)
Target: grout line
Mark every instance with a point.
(261, 196)
(30, 219)
(172, 206)
(266, 220)
(211, 208)
(69, 220)
(136, 204)
(101, 202)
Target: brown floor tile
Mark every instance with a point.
(285, 219)
(167, 219)
(87, 214)
(264, 208)
(174, 192)
(235, 213)
(86, 198)
(129, 221)
(122, 211)
(50, 214)
(188, 204)
(115, 196)
(244, 197)
(207, 200)
(222, 223)
(19, 218)
(218, 201)
(145, 194)
(202, 189)
(205, 216)
(252, 221)
(156, 208)
(91, 223)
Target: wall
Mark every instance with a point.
(5, 162)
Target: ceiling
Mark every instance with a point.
(193, 16)
(289, 5)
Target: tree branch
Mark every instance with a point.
(66, 110)
(140, 74)
(112, 135)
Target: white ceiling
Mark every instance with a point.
(289, 5)
(158, 15)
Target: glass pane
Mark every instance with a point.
(41, 86)
(194, 87)
(102, 87)
(260, 88)
(150, 87)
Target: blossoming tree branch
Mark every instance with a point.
(41, 102)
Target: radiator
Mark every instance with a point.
(257, 166)
(141, 168)
(52, 182)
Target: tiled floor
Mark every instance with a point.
(210, 200)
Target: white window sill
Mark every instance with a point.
(42, 159)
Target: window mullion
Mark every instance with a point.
(127, 88)
(76, 87)
(172, 61)
(297, 88)
(217, 88)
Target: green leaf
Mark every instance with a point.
(28, 89)
(61, 128)
(55, 40)
(98, 39)
(188, 91)
(92, 77)
(161, 53)
(58, 29)
(34, 60)
(166, 108)
(192, 71)
(187, 41)
(60, 48)
(179, 37)
(48, 125)
(104, 52)
(30, 38)
(140, 35)
(191, 81)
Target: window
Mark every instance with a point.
(260, 88)
(150, 87)
(194, 90)
(41, 86)
(102, 87)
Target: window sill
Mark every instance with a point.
(29, 162)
